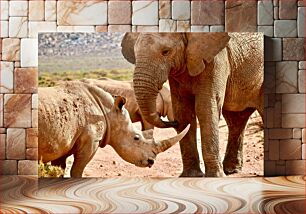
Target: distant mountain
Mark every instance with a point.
(78, 44)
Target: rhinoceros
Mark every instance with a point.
(77, 118)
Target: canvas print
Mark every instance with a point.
(150, 104)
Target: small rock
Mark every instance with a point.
(247, 160)
(119, 174)
(101, 165)
(114, 162)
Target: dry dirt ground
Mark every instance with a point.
(107, 163)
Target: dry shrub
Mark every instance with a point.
(49, 171)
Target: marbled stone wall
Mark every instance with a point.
(282, 21)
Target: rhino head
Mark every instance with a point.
(135, 146)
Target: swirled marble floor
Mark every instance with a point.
(154, 195)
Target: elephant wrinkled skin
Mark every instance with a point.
(209, 74)
(78, 118)
(125, 89)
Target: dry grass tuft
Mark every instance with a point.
(49, 171)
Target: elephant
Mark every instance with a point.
(78, 118)
(209, 74)
(125, 89)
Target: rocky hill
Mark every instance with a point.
(78, 44)
(58, 52)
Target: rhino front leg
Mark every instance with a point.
(82, 156)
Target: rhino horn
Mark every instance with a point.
(163, 145)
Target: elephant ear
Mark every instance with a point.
(127, 45)
(203, 47)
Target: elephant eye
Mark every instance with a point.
(136, 137)
(165, 52)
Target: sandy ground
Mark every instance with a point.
(107, 163)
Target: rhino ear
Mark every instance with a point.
(127, 45)
(119, 102)
(203, 47)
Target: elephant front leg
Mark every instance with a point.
(183, 108)
(208, 112)
(236, 122)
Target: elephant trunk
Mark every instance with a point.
(146, 87)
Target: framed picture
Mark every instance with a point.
(79, 71)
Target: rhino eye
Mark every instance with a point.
(166, 52)
(136, 137)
